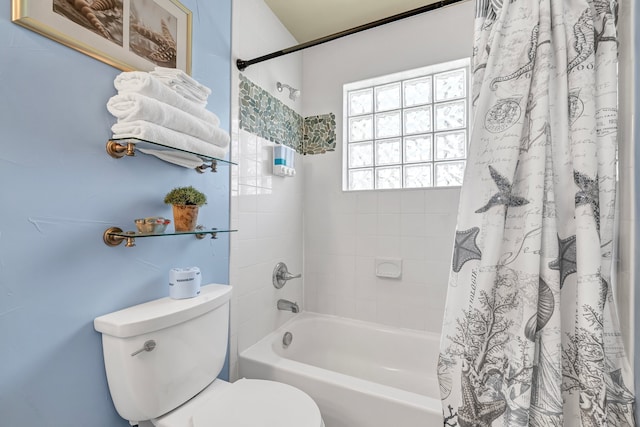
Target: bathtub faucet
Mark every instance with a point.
(283, 304)
(281, 275)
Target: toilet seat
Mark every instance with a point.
(246, 403)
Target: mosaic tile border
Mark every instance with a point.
(319, 134)
(264, 115)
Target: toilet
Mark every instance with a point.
(162, 359)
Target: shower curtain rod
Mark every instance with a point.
(242, 64)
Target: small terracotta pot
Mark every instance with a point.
(185, 217)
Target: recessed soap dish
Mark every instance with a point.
(390, 268)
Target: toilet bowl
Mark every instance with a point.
(162, 359)
(245, 403)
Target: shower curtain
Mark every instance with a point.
(531, 334)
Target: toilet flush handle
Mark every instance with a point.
(147, 346)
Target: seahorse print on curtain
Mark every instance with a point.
(531, 334)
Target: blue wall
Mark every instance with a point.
(59, 191)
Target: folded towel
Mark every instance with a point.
(185, 93)
(146, 84)
(179, 158)
(133, 106)
(181, 76)
(182, 83)
(167, 137)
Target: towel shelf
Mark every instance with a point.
(113, 236)
(120, 147)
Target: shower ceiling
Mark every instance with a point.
(311, 19)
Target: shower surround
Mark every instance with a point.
(348, 230)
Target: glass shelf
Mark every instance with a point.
(120, 147)
(113, 236)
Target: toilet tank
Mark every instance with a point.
(190, 338)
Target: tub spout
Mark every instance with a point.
(283, 304)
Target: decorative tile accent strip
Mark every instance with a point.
(264, 115)
(319, 134)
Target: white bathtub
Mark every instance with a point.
(360, 374)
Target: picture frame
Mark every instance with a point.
(126, 34)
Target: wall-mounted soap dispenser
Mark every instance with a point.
(284, 161)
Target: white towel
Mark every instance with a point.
(133, 106)
(183, 91)
(182, 83)
(179, 158)
(167, 137)
(146, 84)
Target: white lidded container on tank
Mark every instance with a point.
(190, 337)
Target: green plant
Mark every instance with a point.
(185, 196)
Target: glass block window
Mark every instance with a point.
(407, 130)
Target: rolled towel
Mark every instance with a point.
(186, 160)
(134, 106)
(182, 83)
(167, 137)
(146, 84)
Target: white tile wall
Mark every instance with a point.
(339, 266)
(346, 231)
(266, 209)
(269, 221)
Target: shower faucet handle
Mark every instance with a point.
(289, 276)
(281, 275)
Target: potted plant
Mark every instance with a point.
(186, 201)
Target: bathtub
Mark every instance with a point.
(360, 374)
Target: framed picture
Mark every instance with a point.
(127, 34)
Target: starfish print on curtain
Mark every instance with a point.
(566, 262)
(503, 196)
(465, 248)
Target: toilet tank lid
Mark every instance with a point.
(161, 313)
